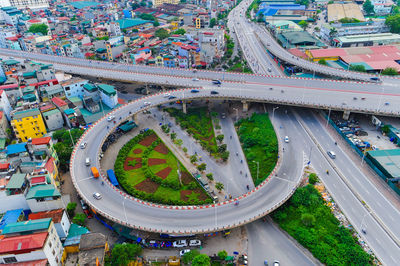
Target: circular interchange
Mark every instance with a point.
(135, 213)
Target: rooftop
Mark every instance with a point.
(338, 11)
(27, 226)
(77, 230)
(83, 4)
(22, 243)
(42, 191)
(55, 215)
(51, 112)
(41, 141)
(90, 87)
(92, 240)
(16, 181)
(26, 113)
(107, 89)
(58, 101)
(129, 22)
(10, 217)
(16, 148)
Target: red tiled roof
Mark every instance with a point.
(46, 82)
(41, 141)
(33, 263)
(9, 86)
(38, 179)
(50, 165)
(208, 33)
(34, 20)
(59, 102)
(297, 52)
(55, 215)
(23, 244)
(328, 52)
(4, 166)
(12, 38)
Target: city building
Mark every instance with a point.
(299, 39)
(157, 3)
(10, 15)
(59, 218)
(382, 7)
(366, 40)
(92, 248)
(108, 95)
(4, 126)
(44, 196)
(31, 4)
(336, 12)
(129, 24)
(74, 87)
(28, 124)
(53, 119)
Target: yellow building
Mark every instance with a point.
(28, 124)
(160, 2)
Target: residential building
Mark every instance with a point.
(108, 95)
(10, 15)
(29, 241)
(157, 3)
(299, 39)
(44, 197)
(49, 92)
(6, 32)
(382, 7)
(366, 40)
(92, 248)
(129, 24)
(28, 124)
(4, 127)
(53, 119)
(59, 218)
(74, 87)
(13, 196)
(31, 4)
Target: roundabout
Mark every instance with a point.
(143, 215)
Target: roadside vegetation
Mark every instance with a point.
(64, 145)
(259, 144)
(197, 123)
(307, 219)
(147, 169)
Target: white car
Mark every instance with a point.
(110, 118)
(147, 103)
(183, 252)
(97, 195)
(194, 243)
(287, 139)
(167, 95)
(276, 263)
(179, 244)
(83, 145)
(195, 79)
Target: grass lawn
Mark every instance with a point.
(162, 185)
(259, 144)
(307, 219)
(197, 122)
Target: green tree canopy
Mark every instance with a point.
(322, 62)
(79, 219)
(161, 33)
(147, 17)
(222, 254)
(122, 254)
(201, 260)
(180, 31)
(303, 24)
(393, 22)
(39, 28)
(219, 186)
(390, 71)
(189, 256)
(368, 7)
(213, 21)
(359, 68)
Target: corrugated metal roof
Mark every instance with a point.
(21, 243)
(27, 226)
(10, 217)
(16, 181)
(42, 191)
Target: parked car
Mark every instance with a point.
(97, 195)
(179, 243)
(88, 213)
(194, 243)
(110, 118)
(194, 91)
(83, 204)
(183, 252)
(83, 145)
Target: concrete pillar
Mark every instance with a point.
(245, 106)
(184, 107)
(135, 118)
(346, 115)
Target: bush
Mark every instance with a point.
(71, 209)
(79, 219)
(312, 178)
(202, 167)
(210, 176)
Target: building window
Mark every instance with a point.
(50, 245)
(10, 260)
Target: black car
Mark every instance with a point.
(171, 97)
(216, 82)
(194, 91)
(214, 92)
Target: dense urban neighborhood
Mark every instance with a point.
(185, 132)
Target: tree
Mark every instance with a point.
(189, 256)
(210, 176)
(173, 136)
(161, 33)
(71, 209)
(39, 28)
(178, 142)
(135, 5)
(180, 31)
(73, 18)
(222, 148)
(193, 158)
(390, 71)
(156, 23)
(312, 178)
(308, 219)
(332, 32)
(202, 167)
(213, 21)
(219, 186)
(225, 156)
(393, 22)
(79, 219)
(146, 16)
(122, 254)
(222, 254)
(303, 24)
(322, 62)
(220, 138)
(201, 260)
(358, 68)
(184, 149)
(368, 7)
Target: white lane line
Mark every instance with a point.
(84, 179)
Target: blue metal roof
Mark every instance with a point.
(10, 217)
(16, 148)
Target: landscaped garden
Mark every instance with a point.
(306, 218)
(147, 169)
(197, 122)
(259, 144)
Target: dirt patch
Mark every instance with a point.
(161, 148)
(186, 178)
(148, 186)
(185, 194)
(147, 141)
(137, 151)
(164, 172)
(128, 167)
(156, 161)
(202, 196)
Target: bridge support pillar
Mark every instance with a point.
(245, 106)
(135, 118)
(184, 107)
(346, 115)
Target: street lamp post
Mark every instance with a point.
(329, 114)
(72, 140)
(237, 113)
(258, 167)
(273, 112)
(123, 204)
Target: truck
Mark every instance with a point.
(127, 126)
(95, 172)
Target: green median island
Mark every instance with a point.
(197, 123)
(260, 145)
(147, 169)
(310, 221)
